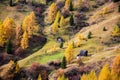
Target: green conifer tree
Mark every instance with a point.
(8, 48)
(63, 64)
(71, 20)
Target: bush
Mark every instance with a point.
(104, 29)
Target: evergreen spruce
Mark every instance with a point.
(61, 45)
(63, 64)
(104, 29)
(11, 3)
(71, 6)
(71, 20)
(119, 8)
(89, 35)
(8, 47)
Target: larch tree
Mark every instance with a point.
(67, 4)
(69, 53)
(84, 77)
(62, 22)
(52, 11)
(116, 31)
(39, 77)
(7, 31)
(80, 3)
(56, 23)
(30, 25)
(62, 78)
(105, 73)
(24, 41)
(116, 65)
(92, 76)
(18, 35)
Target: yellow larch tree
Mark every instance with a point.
(69, 53)
(24, 41)
(92, 76)
(52, 11)
(62, 22)
(56, 23)
(30, 25)
(116, 31)
(84, 77)
(7, 30)
(62, 78)
(105, 73)
(116, 65)
(67, 4)
(39, 77)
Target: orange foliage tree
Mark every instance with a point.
(24, 41)
(30, 25)
(7, 30)
(105, 73)
(52, 11)
(69, 53)
(116, 65)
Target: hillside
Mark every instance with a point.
(52, 33)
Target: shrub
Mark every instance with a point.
(104, 29)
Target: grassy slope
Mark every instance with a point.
(94, 45)
(6, 11)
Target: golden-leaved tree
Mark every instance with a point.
(116, 31)
(56, 23)
(105, 73)
(62, 78)
(7, 30)
(39, 77)
(62, 22)
(67, 4)
(30, 25)
(18, 35)
(69, 53)
(24, 41)
(52, 11)
(90, 76)
(84, 77)
(116, 65)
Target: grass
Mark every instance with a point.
(46, 58)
